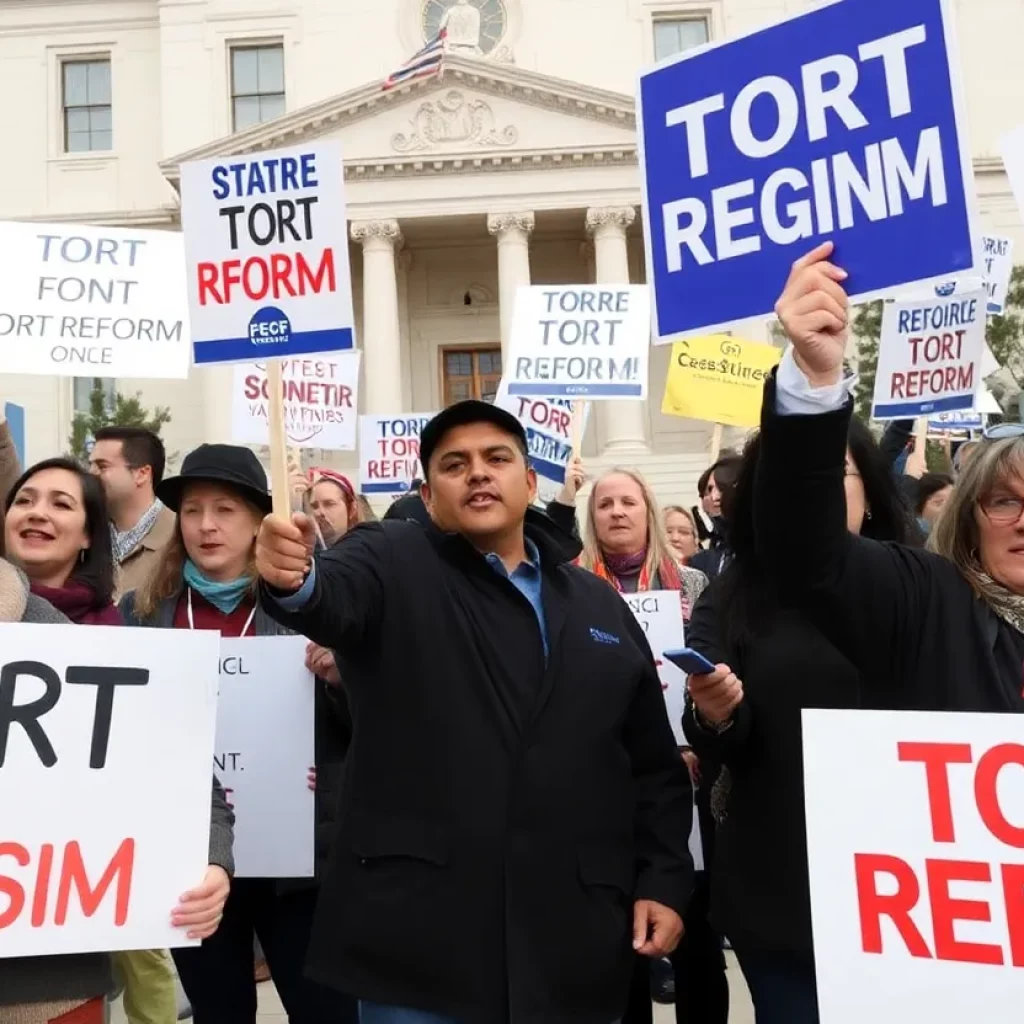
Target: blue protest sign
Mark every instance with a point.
(15, 415)
(267, 255)
(844, 123)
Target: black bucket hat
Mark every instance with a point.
(228, 464)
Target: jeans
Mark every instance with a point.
(218, 975)
(782, 986)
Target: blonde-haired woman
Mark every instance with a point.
(681, 533)
(625, 540)
(626, 544)
(205, 580)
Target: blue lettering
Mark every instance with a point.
(309, 170)
(220, 180)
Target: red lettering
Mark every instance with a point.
(345, 396)
(315, 282)
(1013, 893)
(282, 275)
(42, 893)
(986, 795)
(252, 386)
(914, 343)
(874, 906)
(965, 377)
(946, 911)
(936, 758)
(208, 284)
(9, 887)
(898, 384)
(73, 874)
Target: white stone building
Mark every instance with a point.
(518, 165)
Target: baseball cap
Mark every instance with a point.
(462, 414)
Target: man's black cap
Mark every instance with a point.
(461, 414)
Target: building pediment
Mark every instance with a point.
(478, 115)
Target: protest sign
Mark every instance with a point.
(15, 415)
(660, 614)
(320, 402)
(106, 738)
(580, 341)
(84, 301)
(956, 422)
(997, 265)
(843, 123)
(718, 378)
(267, 254)
(389, 452)
(929, 356)
(264, 752)
(549, 427)
(916, 872)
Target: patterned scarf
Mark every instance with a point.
(125, 543)
(668, 579)
(1007, 605)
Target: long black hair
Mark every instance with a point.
(96, 567)
(745, 595)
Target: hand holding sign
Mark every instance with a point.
(814, 311)
(202, 908)
(284, 550)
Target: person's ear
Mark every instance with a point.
(427, 496)
(531, 480)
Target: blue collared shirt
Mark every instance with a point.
(526, 578)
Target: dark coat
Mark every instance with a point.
(499, 814)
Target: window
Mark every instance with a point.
(674, 35)
(471, 373)
(81, 393)
(85, 91)
(257, 84)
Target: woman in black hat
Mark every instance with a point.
(205, 580)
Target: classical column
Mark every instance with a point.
(513, 232)
(381, 342)
(623, 422)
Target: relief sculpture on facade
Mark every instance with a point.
(451, 120)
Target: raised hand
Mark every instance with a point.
(814, 310)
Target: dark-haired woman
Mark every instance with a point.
(56, 530)
(782, 663)
(721, 484)
(933, 491)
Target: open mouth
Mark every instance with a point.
(483, 499)
(35, 536)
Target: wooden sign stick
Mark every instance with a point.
(280, 486)
(579, 412)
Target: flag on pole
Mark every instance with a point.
(423, 64)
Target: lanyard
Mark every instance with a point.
(192, 621)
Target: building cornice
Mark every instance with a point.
(161, 217)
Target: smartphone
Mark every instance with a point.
(692, 663)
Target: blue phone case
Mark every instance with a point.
(689, 661)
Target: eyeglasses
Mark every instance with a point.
(1003, 431)
(1003, 509)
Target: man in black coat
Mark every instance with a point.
(514, 813)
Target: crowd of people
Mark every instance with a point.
(502, 810)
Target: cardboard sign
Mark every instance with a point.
(320, 402)
(267, 254)
(997, 266)
(264, 753)
(580, 341)
(719, 379)
(845, 122)
(106, 737)
(915, 839)
(929, 356)
(81, 301)
(660, 614)
(389, 452)
(548, 424)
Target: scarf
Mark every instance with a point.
(611, 567)
(77, 600)
(1007, 605)
(225, 597)
(126, 542)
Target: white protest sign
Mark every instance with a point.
(264, 753)
(389, 452)
(580, 341)
(83, 301)
(915, 838)
(660, 614)
(929, 356)
(106, 737)
(267, 254)
(548, 425)
(997, 265)
(320, 402)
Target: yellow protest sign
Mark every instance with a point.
(718, 378)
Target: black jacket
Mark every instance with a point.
(498, 816)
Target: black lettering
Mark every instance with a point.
(28, 715)
(106, 680)
(232, 212)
